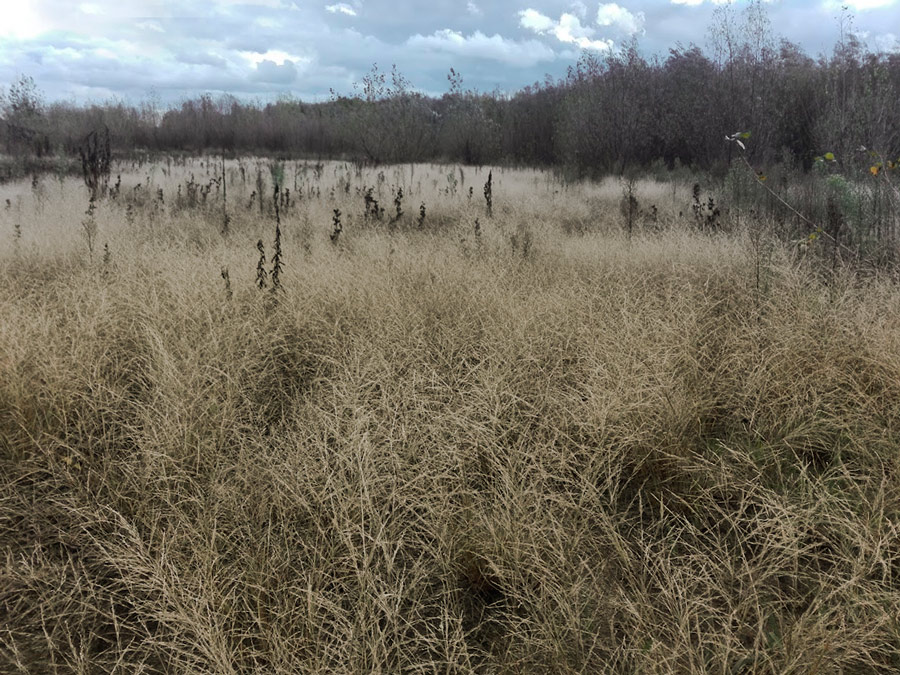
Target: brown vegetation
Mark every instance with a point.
(611, 113)
(592, 433)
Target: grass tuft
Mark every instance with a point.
(672, 450)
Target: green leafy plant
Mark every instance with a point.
(760, 178)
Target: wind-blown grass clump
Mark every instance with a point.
(612, 455)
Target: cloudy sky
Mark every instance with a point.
(167, 50)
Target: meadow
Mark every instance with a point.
(583, 428)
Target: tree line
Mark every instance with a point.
(612, 113)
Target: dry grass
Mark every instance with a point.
(438, 453)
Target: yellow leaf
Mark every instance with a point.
(874, 170)
(829, 156)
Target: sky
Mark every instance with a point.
(164, 51)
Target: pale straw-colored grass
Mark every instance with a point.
(435, 453)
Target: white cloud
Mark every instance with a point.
(479, 45)
(275, 66)
(275, 56)
(887, 43)
(150, 25)
(473, 9)
(341, 7)
(90, 8)
(267, 22)
(272, 4)
(860, 5)
(694, 3)
(273, 73)
(611, 14)
(21, 21)
(579, 8)
(534, 20)
(201, 59)
(568, 29)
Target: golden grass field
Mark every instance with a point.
(548, 448)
